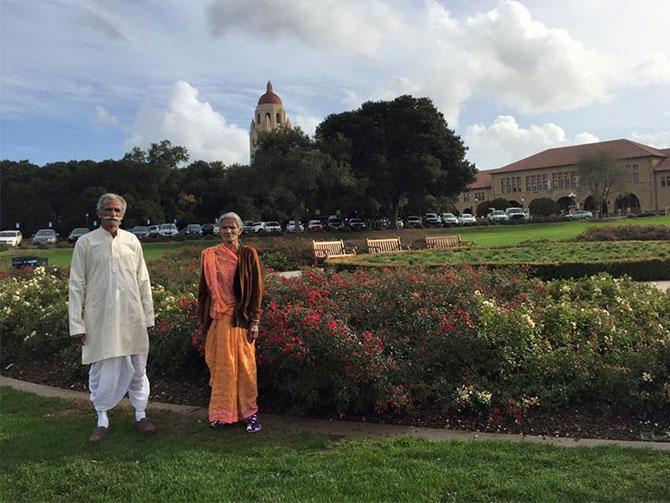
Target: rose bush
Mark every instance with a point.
(403, 342)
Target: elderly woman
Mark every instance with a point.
(229, 308)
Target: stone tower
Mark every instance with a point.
(269, 115)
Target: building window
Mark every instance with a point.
(665, 180)
(278, 118)
(466, 197)
(633, 173)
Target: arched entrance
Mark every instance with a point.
(565, 203)
(627, 204)
(514, 204)
(589, 204)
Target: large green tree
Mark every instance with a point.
(399, 150)
(292, 178)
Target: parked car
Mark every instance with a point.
(193, 231)
(515, 215)
(413, 221)
(45, 237)
(335, 224)
(207, 229)
(314, 226)
(579, 215)
(497, 217)
(432, 220)
(76, 233)
(467, 219)
(449, 219)
(141, 231)
(357, 224)
(168, 230)
(154, 231)
(292, 227)
(249, 226)
(11, 238)
(268, 228)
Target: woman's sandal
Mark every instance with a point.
(254, 424)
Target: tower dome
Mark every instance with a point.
(269, 97)
(268, 116)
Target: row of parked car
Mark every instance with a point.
(332, 223)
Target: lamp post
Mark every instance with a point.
(87, 220)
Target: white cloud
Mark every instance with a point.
(329, 24)
(308, 123)
(191, 123)
(104, 118)
(660, 139)
(504, 141)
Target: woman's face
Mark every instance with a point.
(229, 231)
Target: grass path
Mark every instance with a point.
(45, 457)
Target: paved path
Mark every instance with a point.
(348, 428)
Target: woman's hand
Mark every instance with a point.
(252, 333)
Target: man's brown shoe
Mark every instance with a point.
(98, 435)
(145, 427)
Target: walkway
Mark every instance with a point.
(348, 428)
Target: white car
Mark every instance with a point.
(11, 238)
(467, 219)
(515, 215)
(449, 219)
(168, 230)
(497, 217)
(292, 227)
(154, 231)
(268, 228)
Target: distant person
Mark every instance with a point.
(110, 310)
(229, 309)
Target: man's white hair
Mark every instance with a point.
(106, 197)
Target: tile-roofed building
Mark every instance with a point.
(552, 173)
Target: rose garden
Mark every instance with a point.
(445, 346)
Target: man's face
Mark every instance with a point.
(111, 215)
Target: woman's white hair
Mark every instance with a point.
(232, 216)
(106, 197)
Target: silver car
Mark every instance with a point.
(45, 237)
(449, 219)
(467, 219)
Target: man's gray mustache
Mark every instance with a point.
(112, 219)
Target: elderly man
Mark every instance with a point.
(110, 310)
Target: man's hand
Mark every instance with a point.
(150, 331)
(79, 339)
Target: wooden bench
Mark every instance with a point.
(388, 245)
(442, 242)
(324, 249)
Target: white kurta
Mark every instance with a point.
(110, 295)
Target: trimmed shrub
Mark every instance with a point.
(626, 233)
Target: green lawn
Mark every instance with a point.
(486, 236)
(46, 457)
(534, 253)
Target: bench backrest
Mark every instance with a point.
(323, 249)
(384, 245)
(449, 241)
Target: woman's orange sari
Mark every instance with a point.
(229, 355)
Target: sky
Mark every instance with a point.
(92, 79)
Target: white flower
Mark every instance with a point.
(646, 377)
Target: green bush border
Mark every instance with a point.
(639, 270)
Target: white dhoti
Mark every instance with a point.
(109, 380)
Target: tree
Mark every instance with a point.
(400, 149)
(291, 175)
(544, 207)
(601, 175)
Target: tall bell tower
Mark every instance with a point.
(269, 115)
